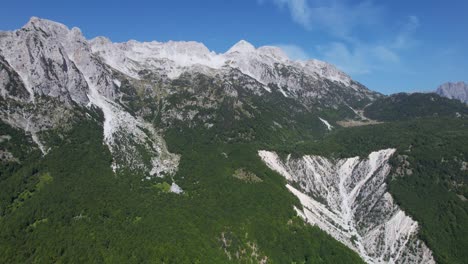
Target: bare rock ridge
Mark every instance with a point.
(267, 65)
(348, 199)
(457, 90)
(46, 55)
(176, 57)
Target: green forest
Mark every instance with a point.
(69, 207)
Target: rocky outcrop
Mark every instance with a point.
(37, 55)
(458, 91)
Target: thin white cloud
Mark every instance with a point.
(299, 9)
(336, 17)
(405, 38)
(359, 59)
(345, 21)
(350, 61)
(294, 52)
(384, 54)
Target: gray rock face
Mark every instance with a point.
(48, 72)
(10, 83)
(458, 90)
(40, 59)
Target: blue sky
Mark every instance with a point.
(389, 46)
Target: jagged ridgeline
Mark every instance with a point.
(148, 152)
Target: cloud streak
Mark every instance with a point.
(355, 46)
(336, 17)
(405, 38)
(294, 52)
(358, 59)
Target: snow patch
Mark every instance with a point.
(274, 162)
(283, 92)
(267, 88)
(41, 146)
(176, 188)
(329, 127)
(117, 83)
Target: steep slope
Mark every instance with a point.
(458, 91)
(348, 198)
(55, 64)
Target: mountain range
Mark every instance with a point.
(168, 152)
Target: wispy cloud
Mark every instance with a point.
(345, 21)
(405, 38)
(358, 59)
(294, 52)
(300, 10)
(336, 17)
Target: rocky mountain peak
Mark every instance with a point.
(40, 53)
(274, 52)
(245, 49)
(241, 47)
(454, 90)
(48, 27)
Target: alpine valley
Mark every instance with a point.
(150, 152)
